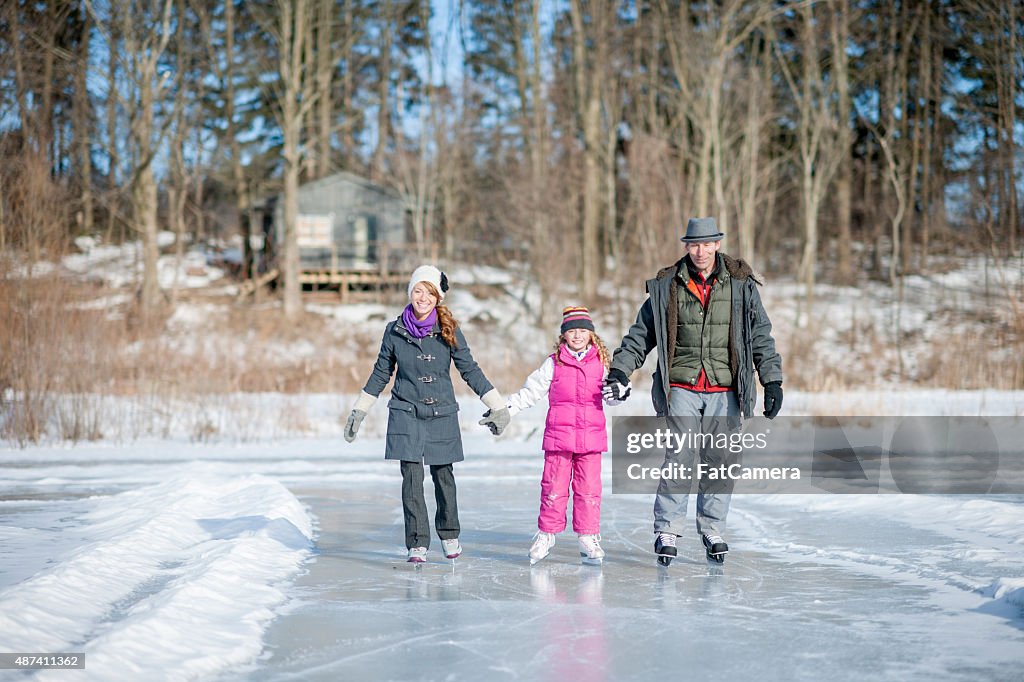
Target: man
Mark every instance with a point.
(705, 316)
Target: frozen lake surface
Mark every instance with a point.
(803, 595)
(285, 561)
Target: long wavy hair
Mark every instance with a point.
(602, 350)
(445, 318)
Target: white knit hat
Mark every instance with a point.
(428, 273)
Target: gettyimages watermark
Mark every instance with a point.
(867, 455)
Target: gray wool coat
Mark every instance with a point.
(423, 416)
(751, 345)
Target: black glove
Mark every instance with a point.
(496, 420)
(352, 425)
(616, 386)
(772, 398)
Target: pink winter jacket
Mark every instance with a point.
(575, 421)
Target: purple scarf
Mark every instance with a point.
(415, 327)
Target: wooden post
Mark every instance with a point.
(382, 248)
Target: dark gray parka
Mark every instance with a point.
(751, 345)
(423, 416)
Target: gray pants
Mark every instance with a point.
(707, 412)
(414, 506)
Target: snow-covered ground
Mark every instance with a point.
(277, 559)
(121, 265)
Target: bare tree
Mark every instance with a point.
(930, 118)
(818, 149)
(999, 54)
(844, 171)
(703, 48)
(223, 58)
(112, 31)
(144, 37)
(352, 29)
(659, 143)
(82, 126)
(385, 130)
(588, 72)
(326, 58)
(750, 182)
(417, 169)
(290, 25)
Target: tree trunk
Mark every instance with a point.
(930, 115)
(237, 171)
(844, 173)
(44, 116)
(113, 139)
(83, 132)
(751, 153)
(1009, 18)
(294, 28)
(144, 200)
(907, 172)
(324, 71)
(21, 87)
(383, 89)
(348, 131)
(589, 103)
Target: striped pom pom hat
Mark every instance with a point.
(576, 317)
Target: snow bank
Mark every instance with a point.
(121, 265)
(176, 580)
(990, 520)
(1007, 590)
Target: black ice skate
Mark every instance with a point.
(715, 547)
(665, 548)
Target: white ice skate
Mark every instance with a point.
(541, 547)
(590, 549)
(452, 549)
(417, 555)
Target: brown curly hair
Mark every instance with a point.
(602, 350)
(445, 318)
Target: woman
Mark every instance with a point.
(423, 420)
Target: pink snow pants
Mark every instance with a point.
(583, 470)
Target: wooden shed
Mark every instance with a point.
(351, 233)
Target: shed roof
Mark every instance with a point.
(334, 179)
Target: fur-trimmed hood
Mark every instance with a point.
(736, 267)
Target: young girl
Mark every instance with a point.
(574, 434)
(423, 420)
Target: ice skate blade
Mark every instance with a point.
(591, 562)
(534, 562)
(664, 559)
(716, 558)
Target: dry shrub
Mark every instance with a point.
(51, 355)
(34, 216)
(55, 361)
(989, 357)
(804, 370)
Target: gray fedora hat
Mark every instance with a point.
(701, 230)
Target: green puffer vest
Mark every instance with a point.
(702, 336)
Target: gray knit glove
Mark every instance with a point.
(353, 423)
(355, 418)
(496, 420)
